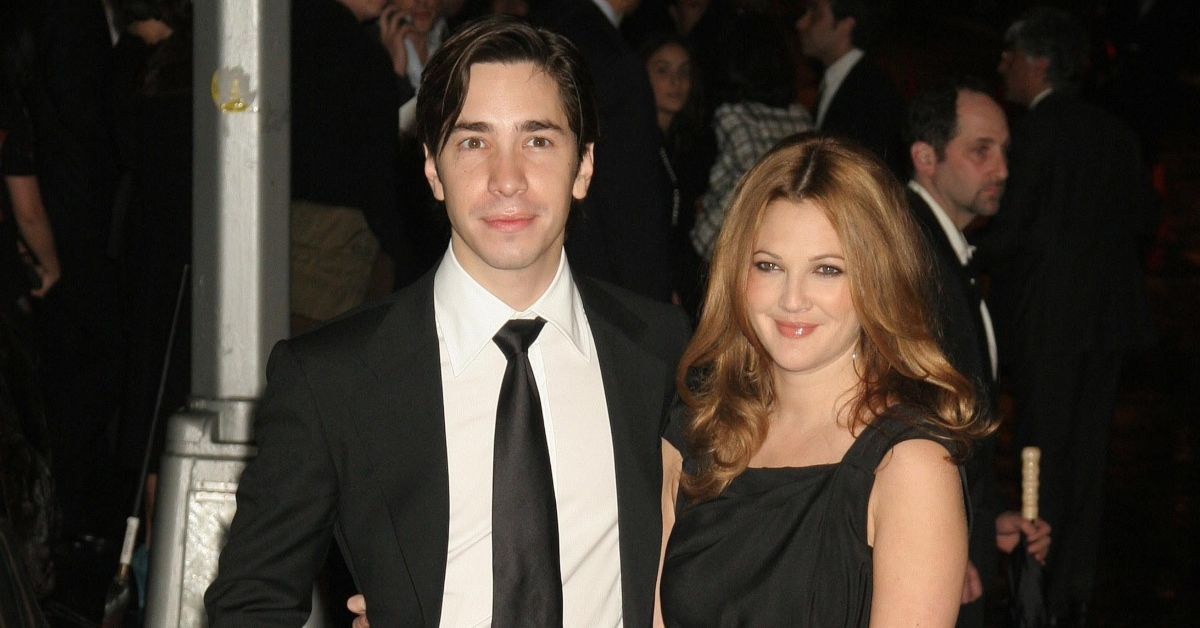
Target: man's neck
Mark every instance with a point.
(518, 289)
(960, 217)
(841, 50)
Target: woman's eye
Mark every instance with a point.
(828, 271)
(766, 267)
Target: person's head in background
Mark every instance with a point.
(756, 65)
(1045, 49)
(958, 137)
(673, 78)
(829, 29)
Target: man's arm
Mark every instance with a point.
(286, 504)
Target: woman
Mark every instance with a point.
(689, 149)
(819, 467)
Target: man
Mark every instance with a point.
(623, 233)
(1067, 285)
(854, 99)
(383, 429)
(958, 138)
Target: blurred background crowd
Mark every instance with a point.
(96, 215)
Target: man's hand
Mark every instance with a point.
(1011, 525)
(358, 605)
(394, 26)
(972, 584)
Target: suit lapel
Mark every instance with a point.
(633, 389)
(965, 275)
(408, 444)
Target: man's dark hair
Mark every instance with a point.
(867, 15)
(933, 114)
(1054, 35)
(756, 64)
(502, 39)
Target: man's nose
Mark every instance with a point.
(507, 175)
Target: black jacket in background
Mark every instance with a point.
(622, 234)
(345, 99)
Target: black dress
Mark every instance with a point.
(781, 546)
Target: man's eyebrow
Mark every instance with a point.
(472, 127)
(532, 126)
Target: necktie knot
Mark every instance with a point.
(517, 334)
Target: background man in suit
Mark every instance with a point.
(1067, 285)
(958, 139)
(855, 99)
(622, 235)
(383, 430)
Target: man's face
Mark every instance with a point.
(969, 179)
(819, 33)
(1024, 76)
(508, 172)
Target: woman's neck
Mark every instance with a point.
(810, 400)
(664, 120)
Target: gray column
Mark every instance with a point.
(239, 290)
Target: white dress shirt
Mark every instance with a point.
(834, 75)
(608, 12)
(964, 250)
(578, 436)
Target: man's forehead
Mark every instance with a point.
(519, 89)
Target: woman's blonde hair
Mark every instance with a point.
(725, 374)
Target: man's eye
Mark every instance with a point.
(539, 142)
(472, 143)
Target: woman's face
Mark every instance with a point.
(670, 70)
(798, 292)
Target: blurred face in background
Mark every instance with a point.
(821, 36)
(670, 71)
(423, 14)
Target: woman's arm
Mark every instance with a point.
(672, 463)
(35, 228)
(917, 527)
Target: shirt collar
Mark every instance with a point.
(837, 71)
(1040, 97)
(608, 11)
(834, 75)
(958, 241)
(468, 316)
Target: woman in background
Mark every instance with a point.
(689, 149)
(819, 458)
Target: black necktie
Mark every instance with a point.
(526, 577)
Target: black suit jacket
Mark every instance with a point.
(1062, 251)
(956, 297)
(961, 334)
(352, 446)
(867, 109)
(621, 232)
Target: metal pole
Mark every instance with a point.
(239, 292)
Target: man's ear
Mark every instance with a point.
(924, 158)
(431, 175)
(1041, 68)
(583, 176)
